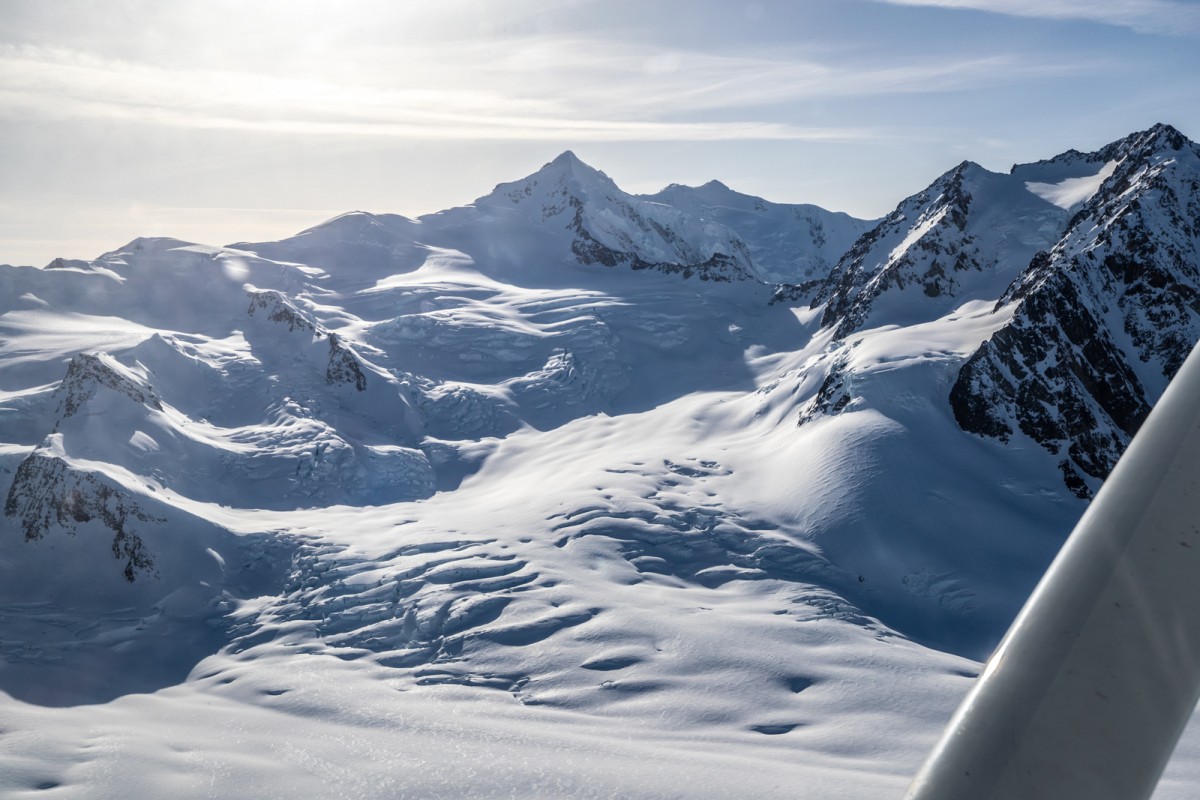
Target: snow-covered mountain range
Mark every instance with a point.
(567, 492)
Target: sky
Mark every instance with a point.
(218, 121)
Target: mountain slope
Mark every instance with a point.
(1089, 262)
(964, 238)
(547, 494)
(1103, 319)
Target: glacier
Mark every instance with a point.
(568, 491)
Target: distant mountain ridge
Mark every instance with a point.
(789, 243)
(575, 212)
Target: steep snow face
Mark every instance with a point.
(1103, 319)
(1070, 193)
(964, 238)
(790, 244)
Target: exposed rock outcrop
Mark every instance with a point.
(47, 493)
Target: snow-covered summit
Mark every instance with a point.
(565, 175)
(789, 243)
(356, 246)
(700, 198)
(603, 225)
(357, 226)
(1159, 139)
(964, 238)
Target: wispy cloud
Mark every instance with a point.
(1174, 17)
(541, 88)
(621, 80)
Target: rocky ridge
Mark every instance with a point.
(344, 365)
(963, 238)
(48, 493)
(1095, 260)
(88, 371)
(1103, 319)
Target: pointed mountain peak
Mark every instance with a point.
(952, 181)
(1159, 138)
(566, 174)
(956, 185)
(966, 169)
(567, 158)
(569, 165)
(1162, 130)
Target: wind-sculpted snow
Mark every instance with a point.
(679, 529)
(559, 493)
(572, 610)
